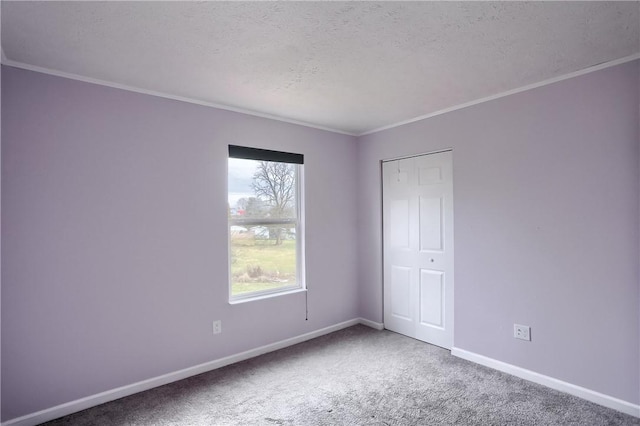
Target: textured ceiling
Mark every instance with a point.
(349, 66)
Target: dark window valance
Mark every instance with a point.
(264, 155)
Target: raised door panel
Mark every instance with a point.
(431, 213)
(399, 224)
(401, 292)
(432, 298)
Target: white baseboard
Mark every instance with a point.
(113, 394)
(584, 393)
(372, 324)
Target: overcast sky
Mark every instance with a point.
(240, 176)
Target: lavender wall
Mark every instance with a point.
(114, 261)
(546, 226)
(114, 257)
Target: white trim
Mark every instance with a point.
(266, 294)
(559, 385)
(99, 82)
(372, 324)
(598, 67)
(438, 151)
(113, 394)
(588, 70)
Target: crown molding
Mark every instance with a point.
(588, 70)
(49, 71)
(597, 67)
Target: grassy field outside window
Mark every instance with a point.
(260, 264)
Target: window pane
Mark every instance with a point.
(261, 189)
(259, 262)
(263, 253)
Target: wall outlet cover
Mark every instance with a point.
(522, 332)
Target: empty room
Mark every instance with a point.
(320, 213)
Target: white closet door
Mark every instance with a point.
(418, 247)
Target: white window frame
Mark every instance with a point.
(298, 224)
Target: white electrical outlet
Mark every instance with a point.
(521, 332)
(217, 327)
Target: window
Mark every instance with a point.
(265, 226)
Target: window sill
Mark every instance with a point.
(266, 296)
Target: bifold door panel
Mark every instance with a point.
(418, 247)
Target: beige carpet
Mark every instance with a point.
(357, 376)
